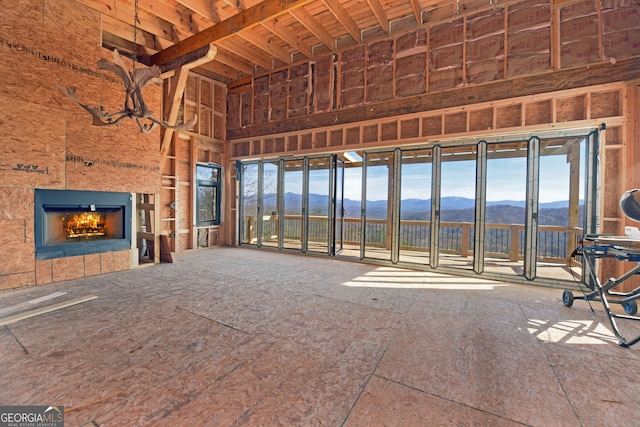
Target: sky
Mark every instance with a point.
(506, 180)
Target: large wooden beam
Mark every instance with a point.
(249, 18)
(594, 74)
(191, 60)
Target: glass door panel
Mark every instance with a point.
(338, 214)
(505, 208)
(415, 206)
(250, 216)
(293, 204)
(352, 207)
(560, 206)
(457, 206)
(378, 222)
(318, 236)
(270, 219)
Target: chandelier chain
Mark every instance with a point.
(135, 35)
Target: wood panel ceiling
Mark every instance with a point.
(252, 36)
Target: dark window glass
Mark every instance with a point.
(208, 194)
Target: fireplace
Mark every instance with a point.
(71, 223)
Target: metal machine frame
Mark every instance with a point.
(603, 248)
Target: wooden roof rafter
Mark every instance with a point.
(251, 55)
(266, 45)
(290, 38)
(344, 18)
(205, 8)
(180, 20)
(278, 32)
(380, 14)
(417, 13)
(310, 23)
(256, 15)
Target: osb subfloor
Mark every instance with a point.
(231, 337)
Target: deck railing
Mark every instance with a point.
(504, 241)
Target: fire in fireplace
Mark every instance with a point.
(89, 225)
(71, 223)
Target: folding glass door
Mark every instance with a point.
(415, 206)
(508, 208)
(293, 204)
(293, 224)
(505, 202)
(456, 205)
(566, 203)
(271, 189)
(251, 190)
(379, 203)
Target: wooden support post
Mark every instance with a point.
(179, 82)
(464, 244)
(515, 240)
(193, 158)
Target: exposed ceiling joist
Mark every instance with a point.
(292, 39)
(380, 15)
(232, 60)
(344, 18)
(417, 13)
(216, 68)
(236, 4)
(311, 24)
(205, 8)
(266, 45)
(251, 55)
(254, 35)
(247, 19)
(181, 22)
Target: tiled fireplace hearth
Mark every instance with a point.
(72, 223)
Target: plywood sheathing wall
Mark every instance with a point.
(47, 141)
(488, 44)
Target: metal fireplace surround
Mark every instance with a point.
(53, 207)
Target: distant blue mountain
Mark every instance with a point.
(410, 208)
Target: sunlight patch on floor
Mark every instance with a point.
(571, 331)
(390, 277)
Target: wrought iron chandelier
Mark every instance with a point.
(134, 105)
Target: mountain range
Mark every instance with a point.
(452, 209)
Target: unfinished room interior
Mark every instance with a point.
(320, 212)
